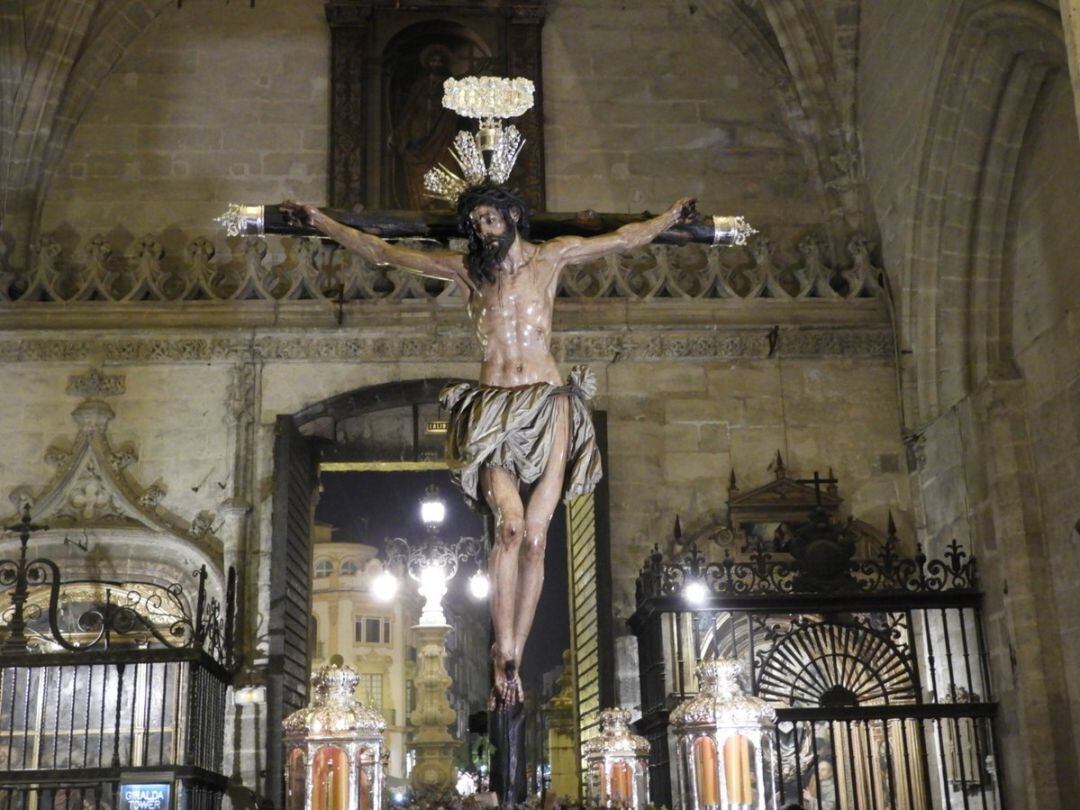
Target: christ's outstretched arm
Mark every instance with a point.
(578, 249)
(444, 264)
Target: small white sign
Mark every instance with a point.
(145, 797)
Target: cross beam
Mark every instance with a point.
(256, 220)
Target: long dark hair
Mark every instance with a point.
(503, 199)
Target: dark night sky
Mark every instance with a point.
(371, 506)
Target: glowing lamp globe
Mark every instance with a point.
(479, 585)
(384, 586)
(432, 509)
(433, 575)
(695, 592)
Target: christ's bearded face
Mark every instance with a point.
(495, 235)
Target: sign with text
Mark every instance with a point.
(144, 797)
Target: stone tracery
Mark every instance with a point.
(92, 492)
(311, 270)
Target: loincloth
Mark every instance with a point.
(513, 428)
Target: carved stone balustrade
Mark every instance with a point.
(286, 268)
(287, 298)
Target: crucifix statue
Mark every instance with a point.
(522, 423)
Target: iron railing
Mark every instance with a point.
(106, 684)
(877, 667)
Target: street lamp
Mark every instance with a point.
(431, 564)
(432, 509)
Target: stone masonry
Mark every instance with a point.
(949, 393)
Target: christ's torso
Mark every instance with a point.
(512, 318)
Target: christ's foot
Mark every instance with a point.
(507, 690)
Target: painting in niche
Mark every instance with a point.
(419, 129)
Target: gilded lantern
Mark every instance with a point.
(334, 750)
(618, 763)
(724, 744)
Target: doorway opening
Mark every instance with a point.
(349, 475)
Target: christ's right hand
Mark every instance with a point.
(299, 214)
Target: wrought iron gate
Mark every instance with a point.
(105, 683)
(877, 666)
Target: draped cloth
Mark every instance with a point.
(514, 428)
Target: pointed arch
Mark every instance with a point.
(813, 81)
(999, 56)
(52, 60)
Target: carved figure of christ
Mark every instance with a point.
(509, 285)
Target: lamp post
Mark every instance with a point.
(431, 564)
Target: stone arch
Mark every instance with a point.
(813, 82)
(999, 60)
(341, 419)
(317, 433)
(51, 64)
(998, 57)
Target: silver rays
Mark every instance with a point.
(506, 143)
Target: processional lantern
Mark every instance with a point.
(618, 763)
(725, 743)
(334, 749)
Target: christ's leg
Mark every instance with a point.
(542, 502)
(501, 493)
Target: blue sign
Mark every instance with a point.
(145, 797)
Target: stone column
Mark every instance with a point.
(1070, 21)
(433, 744)
(562, 738)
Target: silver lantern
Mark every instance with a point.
(725, 743)
(334, 750)
(618, 763)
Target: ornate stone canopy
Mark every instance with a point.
(92, 491)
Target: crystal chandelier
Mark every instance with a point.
(490, 152)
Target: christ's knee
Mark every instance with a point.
(511, 531)
(535, 543)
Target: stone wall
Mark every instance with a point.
(1045, 333)
(678, 430)
(217, 103)
(972, 153)
(636, 117)
(901, 48)
(213, 103)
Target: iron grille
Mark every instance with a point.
(104, 683)
(877, 668)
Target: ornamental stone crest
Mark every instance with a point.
(95, 383)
